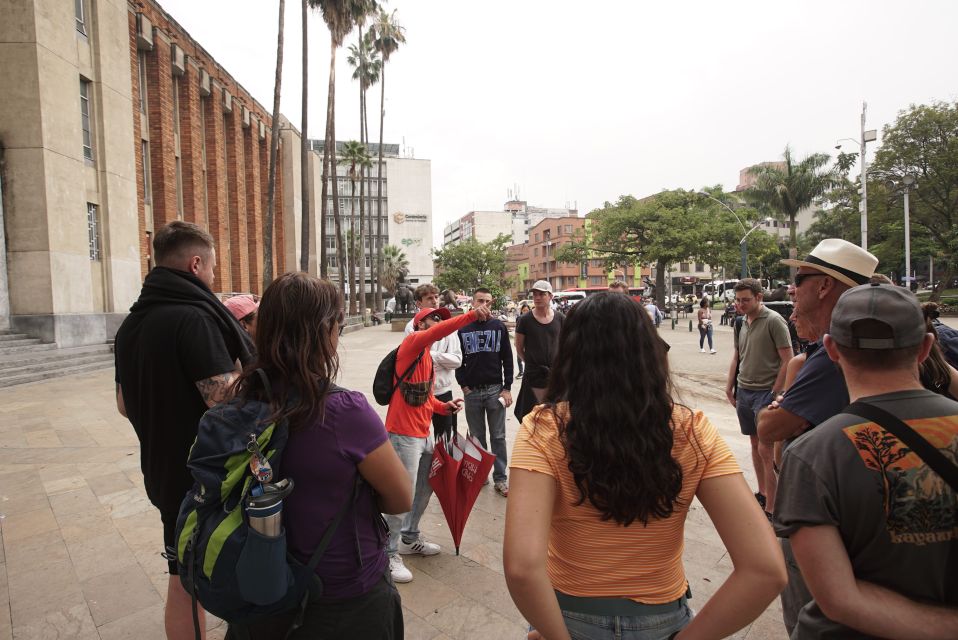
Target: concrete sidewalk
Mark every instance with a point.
(80, 541)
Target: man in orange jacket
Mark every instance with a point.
(408, 422)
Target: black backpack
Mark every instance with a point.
(385, 383)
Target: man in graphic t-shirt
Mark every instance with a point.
(872, 526)
(537, 337)
(818, 392)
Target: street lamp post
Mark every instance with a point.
(742, 246)
(907, 183)
(866, 136)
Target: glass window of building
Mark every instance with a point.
(85, 119)
(93, 229)
(80, 16)
(141, 72)
(147, 184)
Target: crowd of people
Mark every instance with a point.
(854, 445)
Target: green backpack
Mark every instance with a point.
(235, 572)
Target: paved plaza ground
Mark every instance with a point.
(80, 541)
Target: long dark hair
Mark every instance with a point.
(612, 369)
(298, 318)
(934, 369)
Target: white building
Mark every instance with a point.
(515, 220)
(402, 218)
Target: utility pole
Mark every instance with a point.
(866, 137)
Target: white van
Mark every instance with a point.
(573, 297)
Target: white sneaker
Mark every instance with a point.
(419, 546)
(398, 570)
(702, 350)
(713, 350)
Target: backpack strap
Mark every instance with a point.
(408, 372)
(310, 568)
(911, 438)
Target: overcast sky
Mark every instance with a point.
(576, 104)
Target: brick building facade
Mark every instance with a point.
(203, 150)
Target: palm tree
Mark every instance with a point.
(273, 152)
(786, 187)
(355, 154)
(395, 266)
(339, 18)
(387, 34)
(304, 161)
(366, 63)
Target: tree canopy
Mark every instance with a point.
(471, 264)
(923, 142)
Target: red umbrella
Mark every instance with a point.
(459, 467)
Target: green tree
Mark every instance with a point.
(273, 153)
(662, 229)
(923, 142)
(356, 156)
(472, 264)
(386, 34)
(788, 187)
(395, 266)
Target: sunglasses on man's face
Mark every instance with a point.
(801, 277)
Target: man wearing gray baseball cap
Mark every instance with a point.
(869, 498)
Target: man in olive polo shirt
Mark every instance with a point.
(763, 348)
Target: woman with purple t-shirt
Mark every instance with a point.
(334, 435)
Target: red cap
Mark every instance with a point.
(442, 312)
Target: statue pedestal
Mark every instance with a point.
(400, 320)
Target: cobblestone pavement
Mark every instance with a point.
(80, 541)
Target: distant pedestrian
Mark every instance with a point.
(756, 374)
(537, 334)
(618, 286)
(244, 308)
(523, 309)
(486, 380)
(869, 513)
(654, 312)
(705, 325)
(176, 356)
(603, 476)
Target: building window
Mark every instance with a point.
(330, 242)
(331, 261)
(179, 188)
(81, 16)
(537, 237)
(176, 105)
(147, 186)
(93, 229)
(85, 119)
(683, 266)
(141, 69)
(535, 252)
(699, 267)
(568, 229)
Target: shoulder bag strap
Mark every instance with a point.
(921, 447)
(331, 529)
(408, 372)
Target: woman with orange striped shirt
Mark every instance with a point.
(603, 475)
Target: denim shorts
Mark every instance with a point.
(658, 626)
(747, 405)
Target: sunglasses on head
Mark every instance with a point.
(801, 277)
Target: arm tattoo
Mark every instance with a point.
(216, 389)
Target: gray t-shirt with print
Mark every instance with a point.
(897, 518)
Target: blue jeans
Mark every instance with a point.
(660, 626)
(416, 455)
(705, 333)
(482, 403)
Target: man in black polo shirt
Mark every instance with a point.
(176, 355)
(486, 380)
